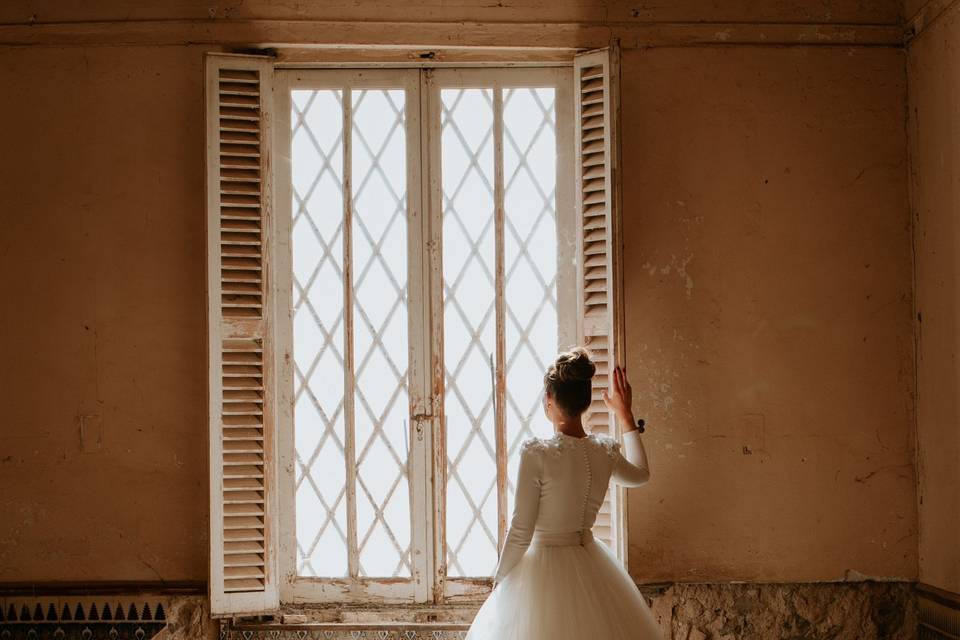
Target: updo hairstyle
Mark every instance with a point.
(568, 381)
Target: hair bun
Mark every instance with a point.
(575, 365)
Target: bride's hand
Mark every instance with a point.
(621, 399)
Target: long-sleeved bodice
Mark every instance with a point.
(561, 484)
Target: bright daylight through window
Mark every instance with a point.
(496, 216)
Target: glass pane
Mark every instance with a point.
(379, 234)
(469, 330)
(378, 254)
(530, 263)
(318, 332)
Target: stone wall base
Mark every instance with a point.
(808, 611)
(787, 611)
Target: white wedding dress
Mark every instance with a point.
(554, 581)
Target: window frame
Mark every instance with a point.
(429, 583)
(293, 587)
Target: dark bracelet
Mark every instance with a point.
(640, 424)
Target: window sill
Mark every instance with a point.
(366, 616)
(343, 631)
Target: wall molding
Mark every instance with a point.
(40, 589)
(547, 35)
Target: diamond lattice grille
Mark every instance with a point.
(335, 510)
(469, 329)
(530, 262)
(318, 328)
(527, 132)
(380, 332)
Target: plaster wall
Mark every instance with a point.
(767, 292)
(934, 128)
(767, 276)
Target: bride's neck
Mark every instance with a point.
(570, 426)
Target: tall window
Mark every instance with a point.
(373, 181)
(396, 257)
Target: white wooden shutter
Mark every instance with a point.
(596, 94)
(243, 558)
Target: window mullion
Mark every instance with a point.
(422, 416)
(500, 392)
(434, 221)
(353, 553)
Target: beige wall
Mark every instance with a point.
(768, 307)
(767, 285)
(934, 128)
(103, 251)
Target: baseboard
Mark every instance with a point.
(103, 587)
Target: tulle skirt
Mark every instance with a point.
(561, 592)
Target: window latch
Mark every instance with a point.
(418, 420)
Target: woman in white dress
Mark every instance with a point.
(553, 580)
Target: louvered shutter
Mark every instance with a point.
(243, 559)
(597, 186)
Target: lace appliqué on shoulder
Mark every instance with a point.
(546, 445)
(610, 445)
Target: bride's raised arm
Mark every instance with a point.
(632, 470)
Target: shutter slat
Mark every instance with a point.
(595, 184)
(242, 484)
(594, 134)
(243, 534)
(243, 509)
(243, 497)
(594, 197)
(592, 110)
(595, 122)
(243, 560)
(596, 146)
(595, 171)
(251, 446)
(229, 124)
(243, 574)
(246, 546)
(242, 396)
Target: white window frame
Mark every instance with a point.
(300, 588)
(424, 201)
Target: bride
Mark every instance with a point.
(553, 579)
